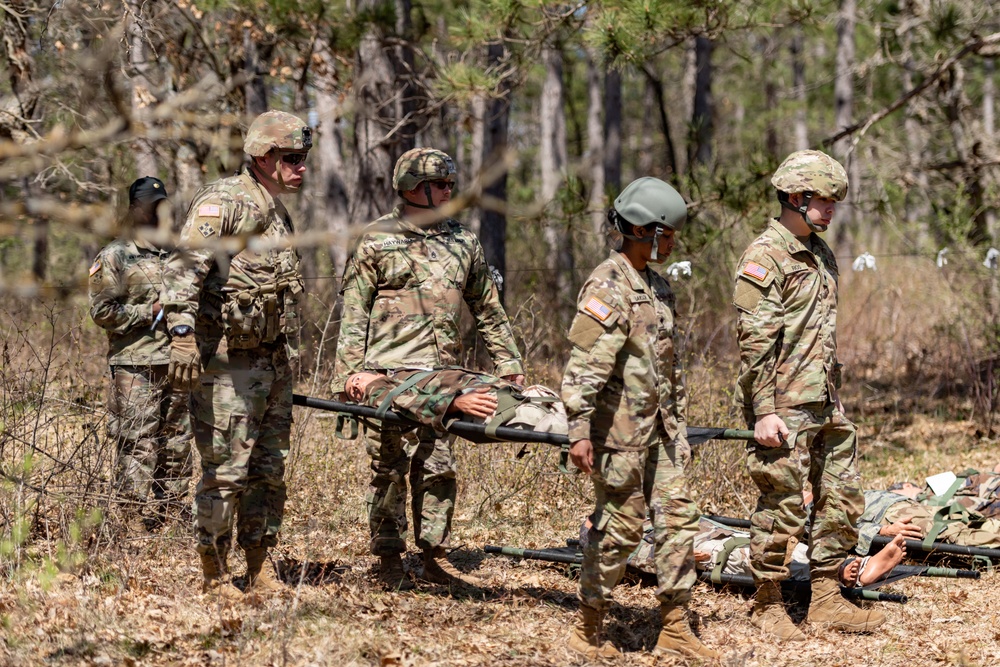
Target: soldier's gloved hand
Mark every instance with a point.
(185, 362)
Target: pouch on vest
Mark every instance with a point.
(244, 321)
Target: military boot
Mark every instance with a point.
(438, 570)
(260, 574)
(216, 578)
(390, 572)
(676, 637)
(770, 616)
(828, 608)
(585, 636)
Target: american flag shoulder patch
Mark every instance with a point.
(755, 270)
(95, 267)
(598, 308)
(209, 211)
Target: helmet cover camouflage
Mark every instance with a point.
(422, 164)
(647, 201)
(811, 171)
(277, 130)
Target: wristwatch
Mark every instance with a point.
(181, 330)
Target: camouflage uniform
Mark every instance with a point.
(718, 542)
(977, 492)
(149, 421)
(427, 400)
(883, 508)
(786, 299)
(402, 295)
(623, 390)
(246, 326)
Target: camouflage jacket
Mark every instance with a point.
(402, 294)
(877, 503)
(427, 401)
(786, 302)
(978, 492)
(623, 378)
(196, 286)
(124, 284)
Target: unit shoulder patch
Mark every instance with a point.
(748, 296)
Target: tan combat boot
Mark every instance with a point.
(260, 574)
(770, 616)
(216, 578)
(828, 608)
(676, 637)
(390, 572)
(585, 636)
(437, 570)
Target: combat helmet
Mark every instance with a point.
(422, 165)
(812, 173)
(277, 130)
(648, 201)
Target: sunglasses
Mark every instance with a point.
(443, 185)
(294, 158)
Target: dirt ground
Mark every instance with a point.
(133, 599)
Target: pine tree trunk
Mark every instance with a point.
(843, 94)
(552, 161)
(595, 142)
(142, 87)
(799, 90)
(375, 114)
(989, 131)
(254, 90)
(493, 227)
(612, 131)
(700, 145)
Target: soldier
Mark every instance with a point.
(402, 295)
(727, 550)
(234, 332)
(891, 514)
(626, 405)
(149, 421)
(436, 398)
(786, 301)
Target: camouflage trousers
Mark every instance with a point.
(625, 485)
(242, 416)
(976, 533)
(426, 457)
(822, 449)
(151, 427)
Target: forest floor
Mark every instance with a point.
(135, 597)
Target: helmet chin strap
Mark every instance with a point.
(427, 193)
(280, 182)
(802, 209)
(616, 219)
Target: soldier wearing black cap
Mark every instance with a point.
(148, 421)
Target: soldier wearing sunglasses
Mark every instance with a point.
(403, 291)
(233, 334)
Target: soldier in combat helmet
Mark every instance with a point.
(234, 335)
(402, 294)
(149, 421)
(786, 302)
(627, 412)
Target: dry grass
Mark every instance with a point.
(134, 599)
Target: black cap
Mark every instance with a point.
(147, 189)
